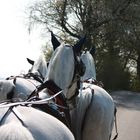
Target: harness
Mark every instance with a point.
(100, 84)
(10, 95)
(15, 112)
(58, 109)
(12, 108)
(79, 70)
(60, 100)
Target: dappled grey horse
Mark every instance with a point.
(91, 107)
(20, 87)
(89, 77)
(29, 87)
(20, 122)
(88, 60)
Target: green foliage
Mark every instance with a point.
(112, 74)
(135, 83)
(112, 26)
(47, 51)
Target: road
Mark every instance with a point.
(128, 115)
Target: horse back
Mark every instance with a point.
(41, 125)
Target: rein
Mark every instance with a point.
(59, 108)
(46, 106)
(27, 103)
(42, 101)
(59, 100)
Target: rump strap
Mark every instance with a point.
(15, 112)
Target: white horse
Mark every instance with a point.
(91, 108)
(90, 75)
(21, 86)
(29, 87)
(26, 123)
(90, 66)
(39, 67)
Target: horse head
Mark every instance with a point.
(65, 66)
(21, 87)
(88, 60)
(39, 67)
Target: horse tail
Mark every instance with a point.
(115, 121)
(15, 131)
(114, 124)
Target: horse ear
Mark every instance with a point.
(54, 41)
(92, 50)
(30, 61)
(79, 44)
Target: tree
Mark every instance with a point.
(112, 26)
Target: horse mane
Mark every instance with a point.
(15, 131)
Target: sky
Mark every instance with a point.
(15, 42)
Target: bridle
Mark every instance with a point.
(79, 70)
